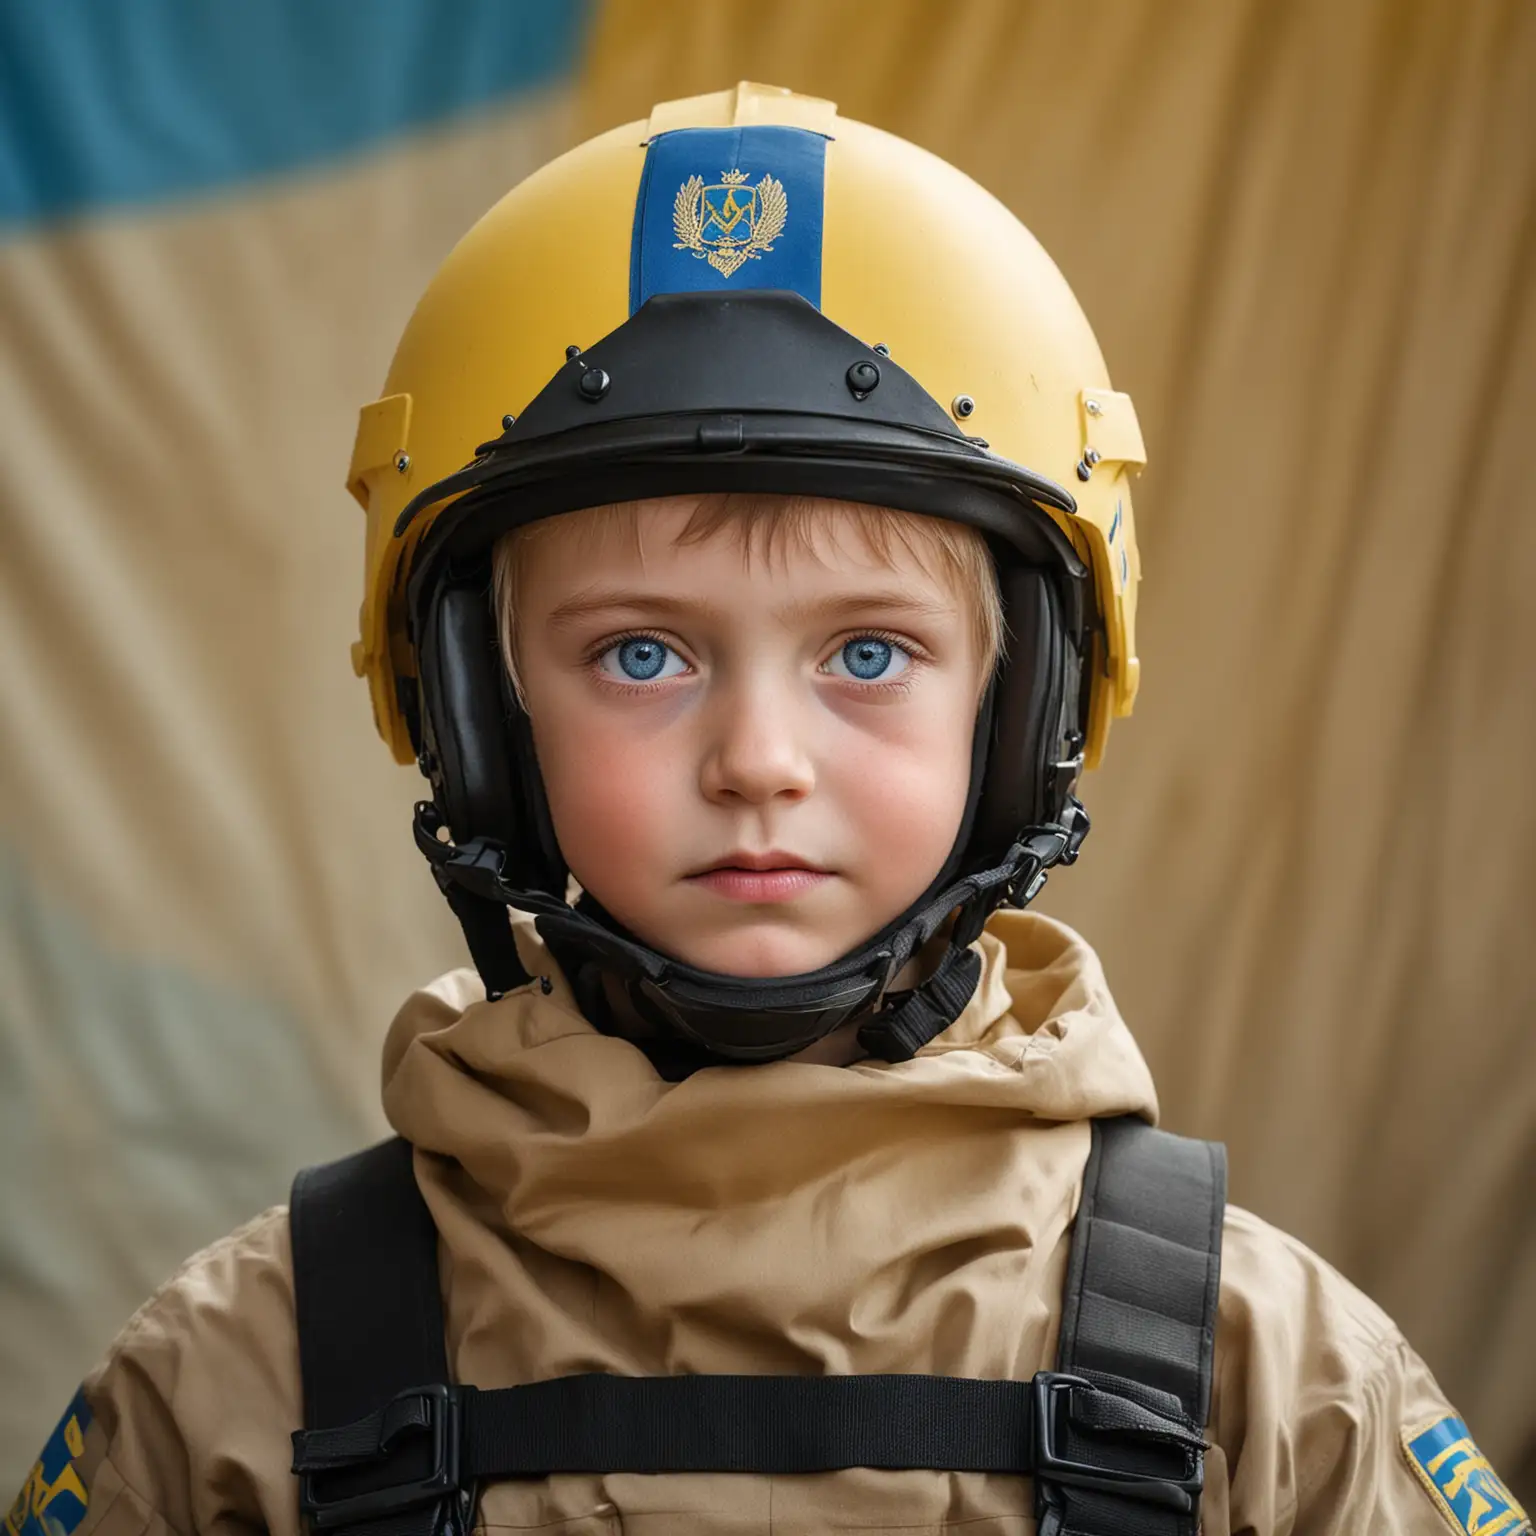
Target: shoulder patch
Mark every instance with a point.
(53, 1500)
(1456, 1475)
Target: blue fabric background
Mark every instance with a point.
(136, 100)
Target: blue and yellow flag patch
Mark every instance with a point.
(1457, 1477)
(53, 1500)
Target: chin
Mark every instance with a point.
(761, 954)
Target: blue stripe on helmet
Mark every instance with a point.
(723, 208)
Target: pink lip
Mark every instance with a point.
(760, 877)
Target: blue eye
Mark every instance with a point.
(641, 659)
(869, 659)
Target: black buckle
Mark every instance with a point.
(1078, 826)
(1181, 1495)
(477, 865)
(442, 1405)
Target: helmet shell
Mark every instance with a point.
(914, 256)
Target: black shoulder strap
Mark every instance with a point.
(370, 1324)
(1138, 1317)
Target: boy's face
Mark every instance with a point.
(753, 761)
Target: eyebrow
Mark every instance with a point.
(591, 600)
(891, 600)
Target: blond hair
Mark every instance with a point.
(765, 524)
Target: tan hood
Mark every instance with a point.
(779, 1218)
(1041, 1039)
(811, 1201)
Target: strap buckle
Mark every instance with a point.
(1181, 1495)
(476, 864)
(1075, 815)
(434, 1410)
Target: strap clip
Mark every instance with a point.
(476, 866)
(1075, 815)
(434, 1410)
(1052, 1392)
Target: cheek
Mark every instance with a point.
(611, 793)
(901, 784)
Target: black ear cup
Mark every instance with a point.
(478, 747)
(538, 854)
(1033, 694)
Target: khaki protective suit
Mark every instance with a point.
(773, 1219)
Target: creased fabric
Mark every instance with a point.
(790, 1218)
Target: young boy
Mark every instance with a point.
(769, 1158)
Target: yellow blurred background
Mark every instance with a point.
(1306, 236)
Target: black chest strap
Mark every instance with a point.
(1113, 1443)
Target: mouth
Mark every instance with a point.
(760, 877)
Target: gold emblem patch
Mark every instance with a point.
(1457, 1477)
(729, 223)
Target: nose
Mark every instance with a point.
(757, 749)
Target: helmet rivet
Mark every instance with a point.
(962, 406)
(402, 462)
(593, 384)
(1093, 407)
(1091, 456)
(572, 351)
(882, 349)
(862, 378)
(1083, 470)
(506, 421)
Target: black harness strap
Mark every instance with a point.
(370, 1324)
(762, 1424)
(395, 1451)
(1139, 1318)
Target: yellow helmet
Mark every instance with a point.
(746, 292)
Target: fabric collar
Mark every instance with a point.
(525, 1093)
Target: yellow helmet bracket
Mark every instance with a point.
(1112, 453)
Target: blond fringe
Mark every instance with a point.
(766, 526)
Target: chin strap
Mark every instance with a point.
(472, 879)
(902, 1028)
(900, 1032)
